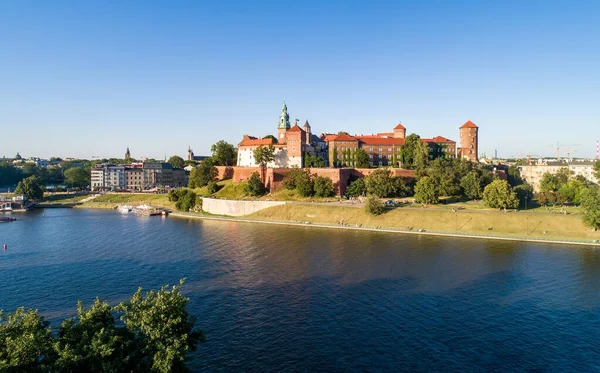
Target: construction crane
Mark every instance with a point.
(558, 145)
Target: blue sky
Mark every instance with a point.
(83, 79)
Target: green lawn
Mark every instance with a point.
(515, 224)
(158, 200)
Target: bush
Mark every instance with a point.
(152, 332)
(426, 191)
(381, 183)
(323, 186)
(374, 206)
(186, 200)
(304, 184)
(357, 188)
(212, 187)
(499, 194)
(255, 186)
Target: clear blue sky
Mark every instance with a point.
(89, 78)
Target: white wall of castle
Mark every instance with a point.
(246, 158)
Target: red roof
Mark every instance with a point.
(253, 141)
(329, 137)
(441, 139)
(370, 140)
(295, 129)
(385, 134)
(469, 124)
(344, 137)
(399, 127)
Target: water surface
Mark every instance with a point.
(274, 298)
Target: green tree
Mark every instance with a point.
(154, 334)
(323, 186)
(176, 161)
(77, 177)
(499, 194)
(415, 153)
(362, 158)
(597, 170)
(445, 176)
(224, 154)
(255, 186)
(313, 161)
(30, 187)
(591, 206)
(271, 137)
(524, 193)
(263, 155)
(25, 341)
(426, 191)
(203, 174)
(357, 188)
(9, 175)
(573, 190)
(374, 206)
(381, 183)
(471, 185)
(514, 176)
(305, 184)
(212, 187)
(186, 200)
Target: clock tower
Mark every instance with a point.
(284, 125)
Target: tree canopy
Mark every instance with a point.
(499, 194)
(415, 153)
(361, 158)
(264, 154)
(255, 186)
(176, 161)
(203, 174)
(30, 187)
(323, 186)
(426, 191)
(152, 332)
(224, 154)
(591, 206)
(77, 177)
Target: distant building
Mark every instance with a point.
(180, 178)
(533, 173)
(127, 154)
(157, 174)
(192, 157)
(134, 178)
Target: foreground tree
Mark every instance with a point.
(381, 183)
(357, 188)
(263, 155)
(361, 158)
(154, 334)
(30, 187)
(591, 206)
(224, 154)
(323, 186)
(374, 206)
(176, 161)
(499, 194)
(426, 191)
(471, 185)
(203, 174)
(185, 199)
(255, 186)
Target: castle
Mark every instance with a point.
(293, 144)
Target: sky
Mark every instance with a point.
(88, 79)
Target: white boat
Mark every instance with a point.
(124, 209)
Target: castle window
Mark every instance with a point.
(379, 149)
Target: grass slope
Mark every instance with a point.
(531, 225)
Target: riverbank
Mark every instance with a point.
(529, 227)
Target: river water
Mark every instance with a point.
(273, 298)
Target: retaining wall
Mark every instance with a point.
(235, 208)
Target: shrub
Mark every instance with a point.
(357, 188)
(212, 187)
(255, 186)
(374, 206)
(426, 191)
(499, 194)
(323, 186)
(186, 200)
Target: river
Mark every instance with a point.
(274, 298)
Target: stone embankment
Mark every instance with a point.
(235, 208)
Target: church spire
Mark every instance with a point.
(284, 118)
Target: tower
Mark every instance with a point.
(469, 143)
(190, 156)
(307, 129)
(399, 131)
(284, 124)
(127, 153)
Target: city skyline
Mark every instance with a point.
(169, 76)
